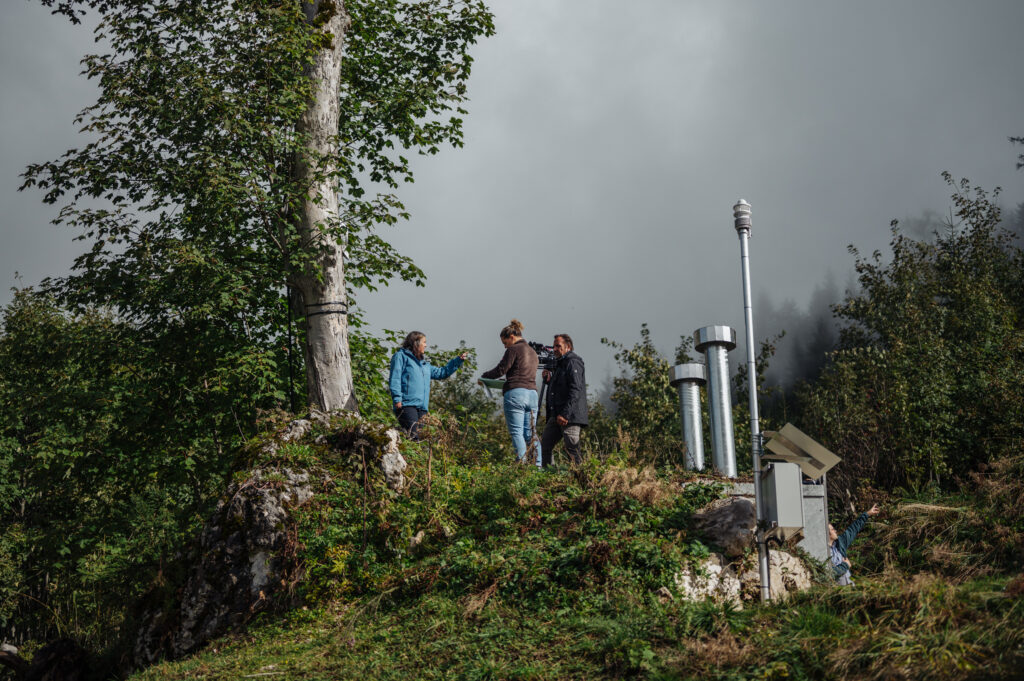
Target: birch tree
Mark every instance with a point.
(241, 150)
(321, 282)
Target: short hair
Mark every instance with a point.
(514, 328)
(566, 338)
(412, 339)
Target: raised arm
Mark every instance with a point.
(844, 540)
(439, 373)
(507, 360)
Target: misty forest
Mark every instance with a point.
(202, 474)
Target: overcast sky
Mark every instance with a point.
(606, 145)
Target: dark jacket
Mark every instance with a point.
(841, 545)
(519, 367)
(567, 390)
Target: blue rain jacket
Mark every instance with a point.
(410, 378)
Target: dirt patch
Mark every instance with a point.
(477, 601)
(930, 508)
(643, 485)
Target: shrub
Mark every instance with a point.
(926, 385)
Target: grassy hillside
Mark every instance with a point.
(487, 570)
(900, 629)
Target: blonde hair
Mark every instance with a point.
(514, 328)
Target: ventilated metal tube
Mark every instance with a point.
(715, 342)
(688, 378)
(723, 448)
(689, 416)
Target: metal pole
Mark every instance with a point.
(741, 216)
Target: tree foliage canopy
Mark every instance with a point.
(126, 385)
(928, 382)
(187, 189)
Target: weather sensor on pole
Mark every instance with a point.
(741, 216)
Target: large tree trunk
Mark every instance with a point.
(322, 283)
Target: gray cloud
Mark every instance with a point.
(42, 92)
(607, 142)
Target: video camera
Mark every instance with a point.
(545, 355)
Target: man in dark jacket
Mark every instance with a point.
(566, 403)
(839, 544)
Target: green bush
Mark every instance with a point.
(112, 444)
(477, 523)
(927, 383)
(645, 423)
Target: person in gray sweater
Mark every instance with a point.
(519, 394)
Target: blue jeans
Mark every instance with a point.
(521, 417)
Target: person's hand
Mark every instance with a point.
(847, 561)
(546, 375)
(464, 356)
(562, 421)
(874, 510)
(398, 406)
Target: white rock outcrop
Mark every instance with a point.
(712, 578)
(241, 559)
(392, 462)
(786, 572)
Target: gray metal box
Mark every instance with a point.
(782, 491)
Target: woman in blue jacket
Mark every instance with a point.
(410, 381)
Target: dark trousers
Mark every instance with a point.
(570, 435)
(409, 420)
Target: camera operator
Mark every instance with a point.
(566, 402)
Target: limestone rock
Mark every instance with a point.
(243, 561)
(324, 419)
(243, 558)
(711, 578)
(786, 572)
(9, 658)
(296, 430)
(392, 462)
(729, 523)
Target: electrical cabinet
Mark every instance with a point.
(782, 492)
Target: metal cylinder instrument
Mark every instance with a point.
(688, 378)
(716, 342)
